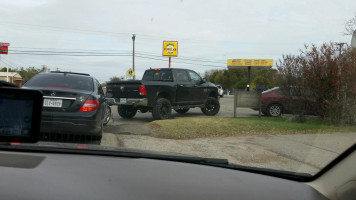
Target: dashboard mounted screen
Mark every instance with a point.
(20, 115)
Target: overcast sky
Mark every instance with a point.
(208, 32)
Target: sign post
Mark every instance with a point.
(170, 49)
(4, 49)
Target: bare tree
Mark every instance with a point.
(350, 26)
(115, 78)
(321, 80)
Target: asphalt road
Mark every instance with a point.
(307, 153)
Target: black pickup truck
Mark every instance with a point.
(160, 90)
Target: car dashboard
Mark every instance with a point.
(72, 176)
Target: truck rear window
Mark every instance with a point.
(158, 75)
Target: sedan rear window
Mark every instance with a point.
(62, 81)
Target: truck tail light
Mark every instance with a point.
(142, 90)
(262, 96)
(89, 105)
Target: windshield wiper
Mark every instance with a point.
(109, 151)
(118, 152)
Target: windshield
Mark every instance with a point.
(193, 78)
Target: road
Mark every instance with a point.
(306, 153)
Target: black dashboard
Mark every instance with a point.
(70, 176)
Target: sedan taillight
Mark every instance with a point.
(89, 105)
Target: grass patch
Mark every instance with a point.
(188, 128)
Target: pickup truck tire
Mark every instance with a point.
(162, 109)
(126, 112)
(181, 110)
(212, 106)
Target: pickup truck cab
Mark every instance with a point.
(160, 90)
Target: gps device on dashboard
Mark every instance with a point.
(20, 115)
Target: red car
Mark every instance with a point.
(274, 103)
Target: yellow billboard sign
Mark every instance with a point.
(256, 63)
(170, 48)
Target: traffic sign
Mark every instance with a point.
(4, 48)
(130, 72)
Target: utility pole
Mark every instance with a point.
(133, 54)
(248, 78)
(340, 44)
(353, 40)
(341, 95)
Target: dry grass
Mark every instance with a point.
(188, 128)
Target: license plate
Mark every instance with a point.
(122, 100)
(54, 103)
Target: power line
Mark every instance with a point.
(6, 63)
(179, 62)
(97, 52)
(186, 58)
(89, 55)
(65, 54)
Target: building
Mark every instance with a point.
(14, 78)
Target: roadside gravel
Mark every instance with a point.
(306, 153)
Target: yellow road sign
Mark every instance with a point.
(170, 48)
(130, 72)
(255, 63)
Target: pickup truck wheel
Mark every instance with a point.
(162, 109)
(127, 112)
(181, 110)
(212, 106)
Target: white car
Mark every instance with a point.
(220, 91)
